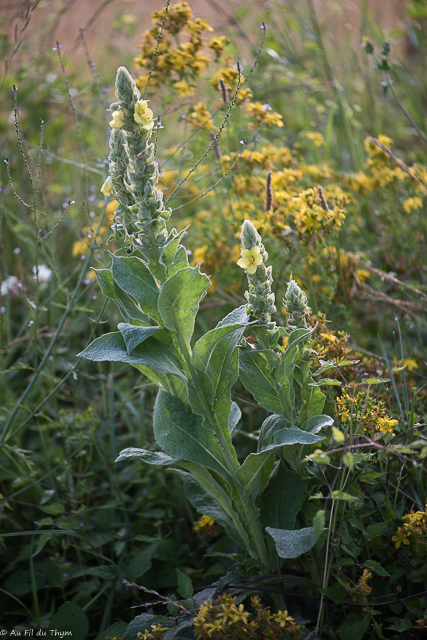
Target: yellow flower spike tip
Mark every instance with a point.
(118, 120)
(143, 115)
(250, 260)
(107, 187)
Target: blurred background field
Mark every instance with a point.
(319, 79)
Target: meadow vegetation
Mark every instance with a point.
(304, 513)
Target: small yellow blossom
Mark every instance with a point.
(250, 260)
(401, 536)
(183, 89)
(283, 618)
(107, 187)
(118, 120)
(386, 424)
(143, 115)
(412, 203)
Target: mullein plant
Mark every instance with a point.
(195, 418)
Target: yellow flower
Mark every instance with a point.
(386, 424)
(401, 536)
(283, 619)
(183, 89)
(143, 115)
(250, 260)
(107, 187)
(412, 203)
(118, 120)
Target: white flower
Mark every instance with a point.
(44, 273)
(9, 285)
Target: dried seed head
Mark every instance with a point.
(224, 90)
(322, 199)
(269, 192)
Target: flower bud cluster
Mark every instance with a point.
(254, 257)
(140, 215)
(295, 303)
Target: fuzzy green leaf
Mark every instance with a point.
(268, 429)
(151, 457)
(292, 544)
(179, 299)
(180, 433)
(316, 423)
(292, 435)
(156, 352)
(255, 472)
(255, 370)
(133, 336)
(134, 277)
(282, 500)
(128, 307)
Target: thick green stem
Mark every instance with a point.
(232, 464)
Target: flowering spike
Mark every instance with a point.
(254, 256)
(295, 303)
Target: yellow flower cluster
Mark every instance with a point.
(415, 529)
(263, 115)
(316, 138)
(200, 116)
(311, 217)
(362, 586)
(205, 525)
(367, 415)
(184, 61)
(223, 619)
(156, 633)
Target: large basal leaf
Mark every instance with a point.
(151, 457)
(179, 299)
(268, 429)
(181, 434)
(130, 311)
(133, 276)
(282, 500)
(153, 352)
(255, 472)
(292, 544)
(133, 336)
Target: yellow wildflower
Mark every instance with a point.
(283, 619)
(386, 424)
(401, 536)
(183, 89)
(143, 115)
(412, 203)
(421, 623)
(250, 260)
(118, 120)
(107, 187)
